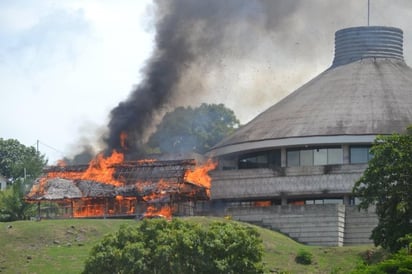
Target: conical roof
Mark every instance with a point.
(366, 91)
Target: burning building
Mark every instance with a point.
(293, 167)
(111, 187)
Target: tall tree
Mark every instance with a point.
(387, 185)
(193, 129)
(18, 160)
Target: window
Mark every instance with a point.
(254, 161)
(293, 157)
(306, 158)
(359, 155)
(314, 157)
(335, 156)
(263, 159)
(324, 201)
(320, 156)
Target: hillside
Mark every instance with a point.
(61, 246)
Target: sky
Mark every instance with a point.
(64, 65)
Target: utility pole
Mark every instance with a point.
(369, 6)
(37, 146)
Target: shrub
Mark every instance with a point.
(159, 246)
(399, 263)
(304, 257)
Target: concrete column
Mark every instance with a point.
(284, 200)
(346, 154)
(283, 157)
(346, 200)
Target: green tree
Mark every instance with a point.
(159, 246)
(12, 204)
(398, 263)
(232, 248)
(193, 129)
(387, 185)
(15, 158)
(20, 165)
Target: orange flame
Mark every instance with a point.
(99, 169)
(163, 212)
(153, 196)
(85, 208)
(199, 176)
(90, 207)
(123, 138)
(263, 203)
(61, 163)
(102, 170)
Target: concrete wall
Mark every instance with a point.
(260, 183)
(359, 225)
(324, 225)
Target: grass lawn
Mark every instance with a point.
(51, 246)
(61, 246)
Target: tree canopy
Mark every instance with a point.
(12, 204)
(20, 165)
(160, 246)
(193, 129)
(387, 185)
(16, 157)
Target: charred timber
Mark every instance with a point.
(62, 189)
(178, 164)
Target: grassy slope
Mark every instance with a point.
(61, 246)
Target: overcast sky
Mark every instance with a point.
(65, 64)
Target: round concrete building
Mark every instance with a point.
(310, 148)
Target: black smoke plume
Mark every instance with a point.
(189, 35)
(246, 54)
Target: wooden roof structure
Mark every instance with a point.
(140, 179)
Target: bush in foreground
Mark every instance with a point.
(159, 246)
(399, 263)
(304, 257)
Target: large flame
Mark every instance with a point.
(91, 207)
(199, 176)
(158, 194)
(100, 170)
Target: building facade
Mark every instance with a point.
(293, 167)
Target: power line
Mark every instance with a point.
(50, 147)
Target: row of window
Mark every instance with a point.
(327, 156)
(311, 201)
(314, 157)
(304, 157)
